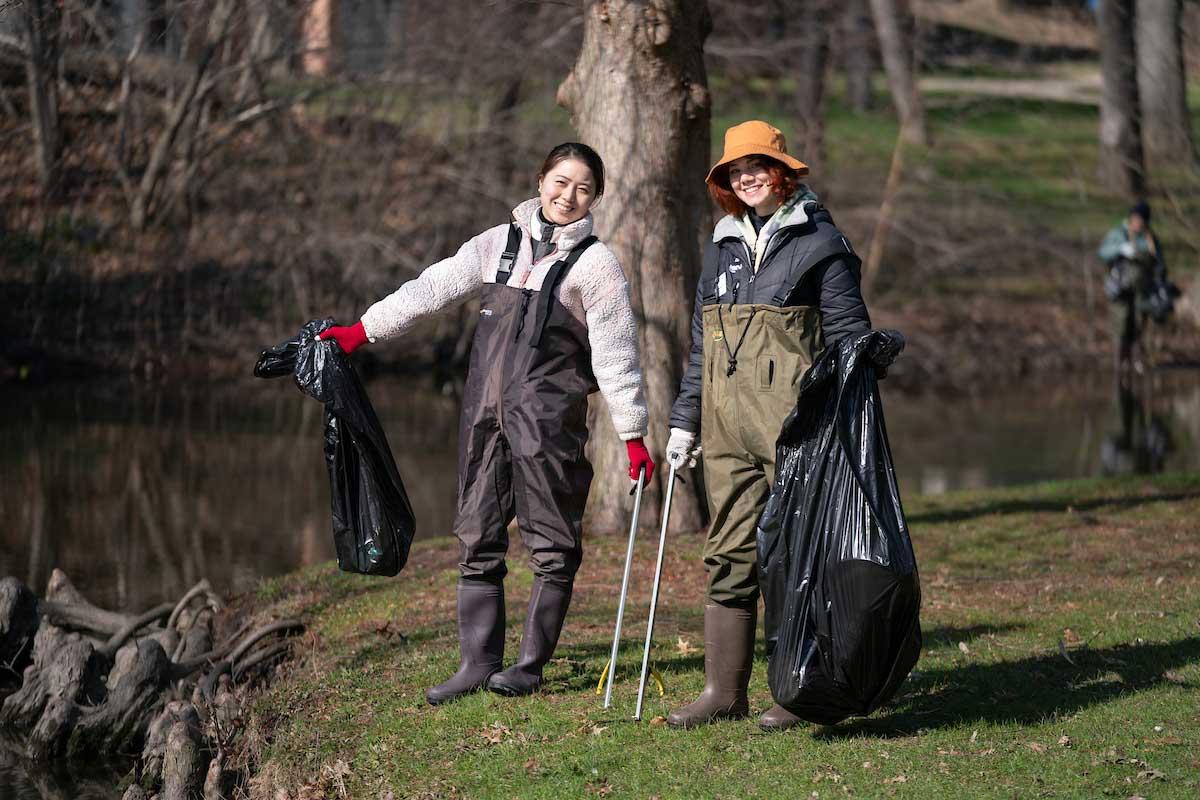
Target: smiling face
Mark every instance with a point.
(753, 184)
(567, 191)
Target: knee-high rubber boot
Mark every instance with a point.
(480, 639)
(728, 655)
(547, 609)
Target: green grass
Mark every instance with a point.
(1062, 659)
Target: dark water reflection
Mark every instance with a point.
(138, 492)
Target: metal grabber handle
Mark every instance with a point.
(612, 660)
(662, 546)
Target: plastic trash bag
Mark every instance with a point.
(373, 523)
(836, 563)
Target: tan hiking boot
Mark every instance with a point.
(728, 654)
(778, 718)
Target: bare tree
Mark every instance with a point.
(812, 66)
(1121, 163)
(895, 45)
(42, 19)
(856, 54)
(1162, 81)
(638, 92)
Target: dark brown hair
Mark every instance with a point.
(578, 151)
(784, 181)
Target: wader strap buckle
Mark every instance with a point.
(546, 294)
(509, 257)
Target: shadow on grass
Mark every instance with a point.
(1026, 691)
(951, 635)
(1059, 503)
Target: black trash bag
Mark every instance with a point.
(373, 523)
(836, 564)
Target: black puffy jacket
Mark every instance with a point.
(807, 262)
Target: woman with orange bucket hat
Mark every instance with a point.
(779, 283)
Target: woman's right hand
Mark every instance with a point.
(682, 449)
(348, 338)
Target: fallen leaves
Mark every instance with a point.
(684, 647)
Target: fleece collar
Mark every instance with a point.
(564, 237)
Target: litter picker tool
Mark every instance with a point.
(612, 661)
(662, 545)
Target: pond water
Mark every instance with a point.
(139, 491)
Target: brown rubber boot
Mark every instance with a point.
(547, 609)
(728, 654)
(778, 718)
(480, 640)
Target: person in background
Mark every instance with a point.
(555, 324)
(1136, 270)
(779, 283)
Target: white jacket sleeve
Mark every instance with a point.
(440, 286)
(616, 360)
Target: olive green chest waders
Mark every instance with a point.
(520, 454)
(754, 357)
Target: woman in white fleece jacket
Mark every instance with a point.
(555, 324)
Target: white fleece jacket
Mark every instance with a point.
(594, 291)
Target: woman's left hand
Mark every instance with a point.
(639, 457)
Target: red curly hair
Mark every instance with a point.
(784, 181)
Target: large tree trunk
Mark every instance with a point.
(638, 93)
(895, 45)
(812, 62)
(1162, 82)
(42, 18)
(1121, 164)
(856, 54)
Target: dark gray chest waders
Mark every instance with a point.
(524, 427)
(520, 454)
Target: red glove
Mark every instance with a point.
(639, 457)
(349, 339)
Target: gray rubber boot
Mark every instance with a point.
(728, 655)
(547, 609)
(778, 718)
(480, 639)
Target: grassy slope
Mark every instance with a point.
(1062, 658)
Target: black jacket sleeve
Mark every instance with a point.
(685, 413)
(843, 311)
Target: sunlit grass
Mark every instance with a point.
(1062, 657)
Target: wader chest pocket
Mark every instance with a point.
(768, 372)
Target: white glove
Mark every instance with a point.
(682, 449)
(1127, 250)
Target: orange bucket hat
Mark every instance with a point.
(755, 138)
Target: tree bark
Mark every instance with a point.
(42, 18)
(895, 45)
(639, 94)
(1162, 82)
(856, 54)
(18, 626)
(1122, 167)
(812, 62)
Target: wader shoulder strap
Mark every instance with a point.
(835, 247)
(546, 293)
(509, 257)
